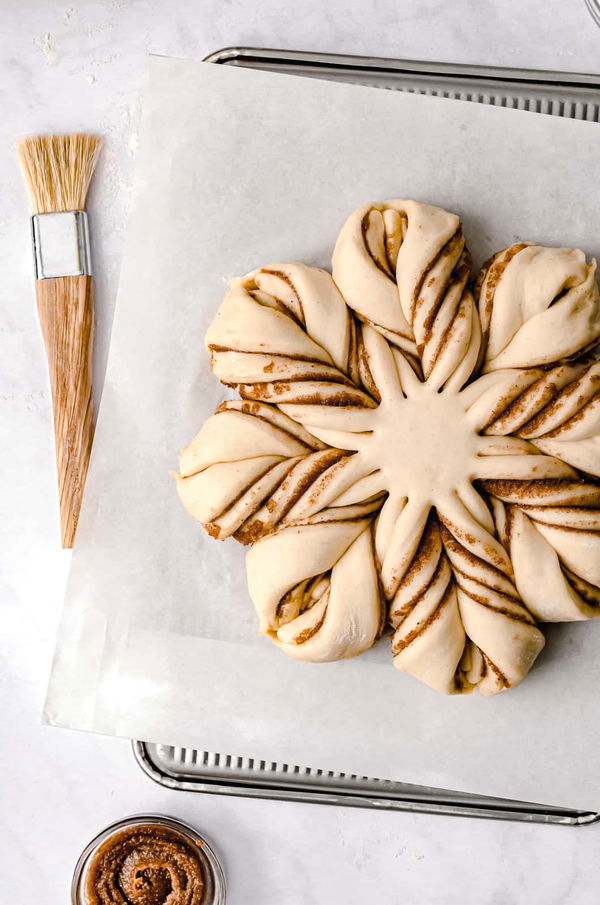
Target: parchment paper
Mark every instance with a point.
(158, 640)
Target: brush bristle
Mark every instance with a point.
(58, 169)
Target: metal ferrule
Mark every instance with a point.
(61, 245)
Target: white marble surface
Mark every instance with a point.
(80, 66)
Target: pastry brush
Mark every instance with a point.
(58, 170)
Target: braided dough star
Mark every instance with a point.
(408, 450)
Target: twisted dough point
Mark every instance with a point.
(429, 637)
(569, 426)
(251, 469)
(403, 267)
(558, 410)
(537, 305)
(315, 586)
(284, 334)
(458, 620)
(552, 529)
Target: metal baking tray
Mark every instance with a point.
(574, 95)
(225, 774)
(560, 94)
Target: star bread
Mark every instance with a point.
(409, 448)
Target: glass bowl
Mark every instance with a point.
(212, 869)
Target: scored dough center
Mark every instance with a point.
(423, 445)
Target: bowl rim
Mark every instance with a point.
(211, 859)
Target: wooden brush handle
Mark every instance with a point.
(66, 311)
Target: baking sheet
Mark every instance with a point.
(158, 641)
(571, 94)
(190, 770)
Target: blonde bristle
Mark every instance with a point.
(58, 169)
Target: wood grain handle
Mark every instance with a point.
(66, 309)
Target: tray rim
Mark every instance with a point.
(253, 788)
(468, 71)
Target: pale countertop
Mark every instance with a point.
(73, 67)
